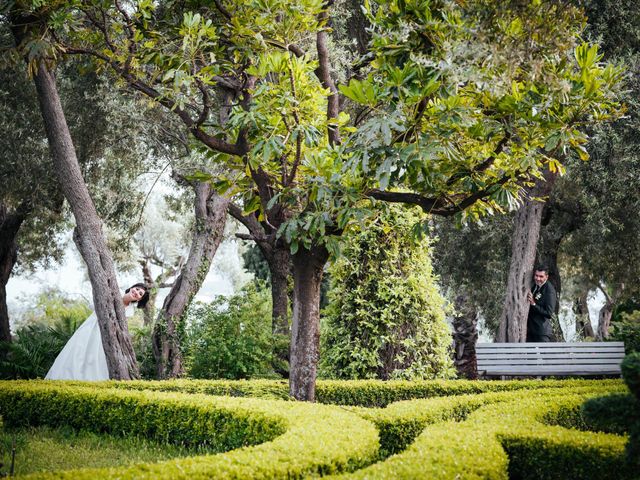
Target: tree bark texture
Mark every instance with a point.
(10, 223)
(465, 336)
(604, 320)
(149, 309)
(88, 234)
(210, 219)
(513, 320)
(561, 216)
(279, 262)
(584, 329)
(308, 267)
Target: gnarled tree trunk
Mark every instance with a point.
(210, 219)
(465, 336)
(88, 235)
(604, 317)
(584, 329)
(9, 226)
(308, 268)
(513, 320)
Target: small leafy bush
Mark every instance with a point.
(611, 414)
(631, 373)
(231, 337)
(386, 315)
(43, 331)
(627, 330)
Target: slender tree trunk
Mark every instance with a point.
(513, 320)
(465, 336)
(308, 267)
(210, 219)
(280, 268)
(604, 320)
(9, 226)
(149, 309)
(88, 234)
(279, 261)
(584, 329)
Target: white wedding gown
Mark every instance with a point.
(83, 358)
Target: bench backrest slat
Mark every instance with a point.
(573, 358)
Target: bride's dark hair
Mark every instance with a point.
(145, 298)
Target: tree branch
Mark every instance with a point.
(438, 205)
(324, 74)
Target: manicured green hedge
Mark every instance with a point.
(631, 372)
(612, 413)
(365, 393)
(300, 439)
(498, 439)
(400, 423)
(487, 435)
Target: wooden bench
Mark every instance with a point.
(557, 359)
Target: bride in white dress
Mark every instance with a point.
(83, 357)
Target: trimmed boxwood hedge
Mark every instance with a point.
(400, 423)
(497, 440)
(612, 413)
(364, 393)
(300, 439)
(488, 435)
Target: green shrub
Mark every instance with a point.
(142, 341)
(364, 393)
(281, 439)
(627, 330)
(511, 430)
(631, 372)
(42, 332)
(386, 316)
(231, 337)
(611, 414)
(501, 436)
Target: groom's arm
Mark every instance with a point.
(546, 305)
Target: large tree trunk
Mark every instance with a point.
(513, 320)
(88, 234)
(465, 336)
(9, 226)
(604, 319)
(308, 267)
(584, 329)
(210, 219)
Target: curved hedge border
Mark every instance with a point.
(310, 439)
(301, 439)
(365, 393)
(504, 438)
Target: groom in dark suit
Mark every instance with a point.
(542, 305)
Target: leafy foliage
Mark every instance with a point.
(386, 316)
(231, 337)
(46, 328)
(627, 329)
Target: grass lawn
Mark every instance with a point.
(48, 449)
